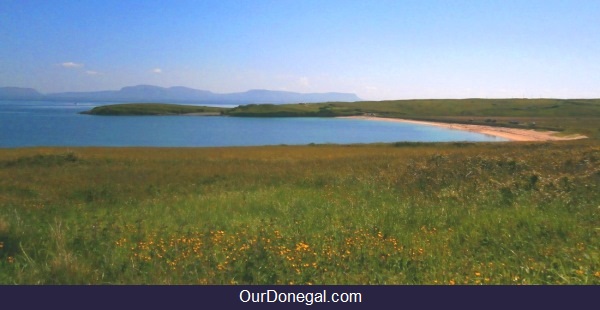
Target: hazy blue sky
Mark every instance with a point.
(377, 49)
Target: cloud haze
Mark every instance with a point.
(70, 64)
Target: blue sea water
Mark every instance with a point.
(42, 123)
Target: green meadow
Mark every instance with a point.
(404, 213)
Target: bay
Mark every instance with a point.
(42, 123)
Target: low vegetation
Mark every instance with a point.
(153, 109)
(405, 213)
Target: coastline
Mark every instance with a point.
(512, 134)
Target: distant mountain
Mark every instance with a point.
(143, 93)
(19, 93)
(149, 93)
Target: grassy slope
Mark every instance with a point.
(442, 107)
(507, 213)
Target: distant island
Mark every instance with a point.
(250, 110)
(177, 94)
(133, 109)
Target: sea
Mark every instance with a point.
(49, 123)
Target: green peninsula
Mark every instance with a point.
(154, 109)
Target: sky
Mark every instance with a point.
(379, 50)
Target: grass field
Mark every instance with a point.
(405, 213)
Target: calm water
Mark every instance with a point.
(41, 123)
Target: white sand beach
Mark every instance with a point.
(513, 134)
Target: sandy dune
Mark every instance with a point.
(512, 134)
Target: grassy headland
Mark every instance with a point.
(564, 115)
(406, 213)
(153, 109)
(465, 108)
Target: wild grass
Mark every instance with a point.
(407, 213)
(474, 107)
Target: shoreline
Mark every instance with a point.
(512, 134)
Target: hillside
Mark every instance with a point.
(442, 107)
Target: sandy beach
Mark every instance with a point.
(512, 134)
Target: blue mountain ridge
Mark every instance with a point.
(150, 93)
